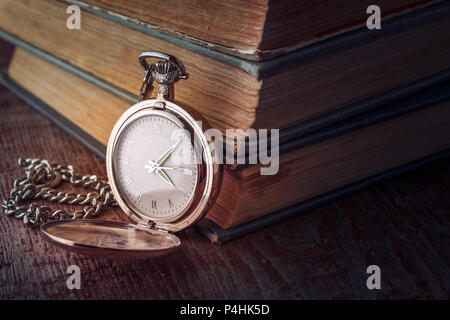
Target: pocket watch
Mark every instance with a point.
(161, 169)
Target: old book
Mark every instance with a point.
(253, 30)
(315, 164)
(232, 92)
(218, 235)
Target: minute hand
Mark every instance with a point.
(167, 154)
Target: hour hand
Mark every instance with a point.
(164, 176)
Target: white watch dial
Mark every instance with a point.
(155, 167)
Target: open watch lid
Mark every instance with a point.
(110, 239)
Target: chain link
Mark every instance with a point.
(38, 183)
(146, 84)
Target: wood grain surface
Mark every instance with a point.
(402, 226)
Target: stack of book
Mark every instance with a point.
(354, 105)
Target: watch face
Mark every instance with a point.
(155, 167)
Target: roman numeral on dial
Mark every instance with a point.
(124, 161)
(127, 180)
(142, 128)
(138, 196)
(182, 191)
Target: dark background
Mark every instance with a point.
(401, 225)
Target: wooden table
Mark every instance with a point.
(402, 226)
